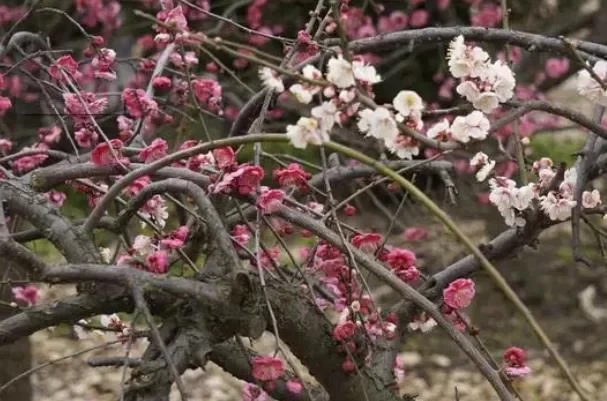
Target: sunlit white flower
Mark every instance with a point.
(439, 131)
(590, 199)
(326, 114)
(404, 147)
(378, 123)
(475, 125)
(484, 101)
(545, 176)
(466, 61)
(588, 87)
(502, 80)
(423, 323)
(524, 195)
(407, 103)
(156, 210)
(567, 187)
(307, 130)
(311, 72)
(485, 165)
(106, 254)
(503, 192)
(347, 95)
(109, 320)
(557, 209)
(270, 79)
(143, 245)
(302, 94)
(365, 73)
(339, 72)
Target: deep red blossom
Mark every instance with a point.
(162, 83)
(293, 174)
(459, 293)
(270, 200)
(154, 151)
(137, 102)
(415, 234)
(267, 368)
(348, 365)
(244, 180)
(350, 210)
(225, 157)
(269, 257)
(49, 135)
(28, 294)
(157, 262)
(208, 93)
(367, 242)
(102, 64)
(102, 154)
(83, 106)
(344, 331)
(515, 363)
(241, 234)
(57, 198)
(86, 137)
(137, 185)
(400, 258)
(68, 65)
(176, 239)
(5, 105)
(28, 163)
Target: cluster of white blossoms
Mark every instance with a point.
(554, 203)
(463, 128)
(484, 83)
(510, 200)
(339, 98)
(484, 165)
(588, 87)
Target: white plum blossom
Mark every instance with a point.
(502, 80)
(311, 72)
(484, 84)
(109, 320)
(590, 200)
(475, 125)
(408, 103)
(307, 130)
(378, 123)
(485, 165)
(567, 187)
(422, 323)
(557, 209)
(404, 147)
(339, 72)
(143, 245)
(270, 79)
(326, 114)
(588, 87)
(484, 101)
(106, 254)
(440, 130)
(301, 93)
(466, 61)
(347, 96)
(155, 209)
(510, 200)
(365, 73)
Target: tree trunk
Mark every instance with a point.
(16, 357)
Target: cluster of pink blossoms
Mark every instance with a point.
(267, 370)
(152, 253)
